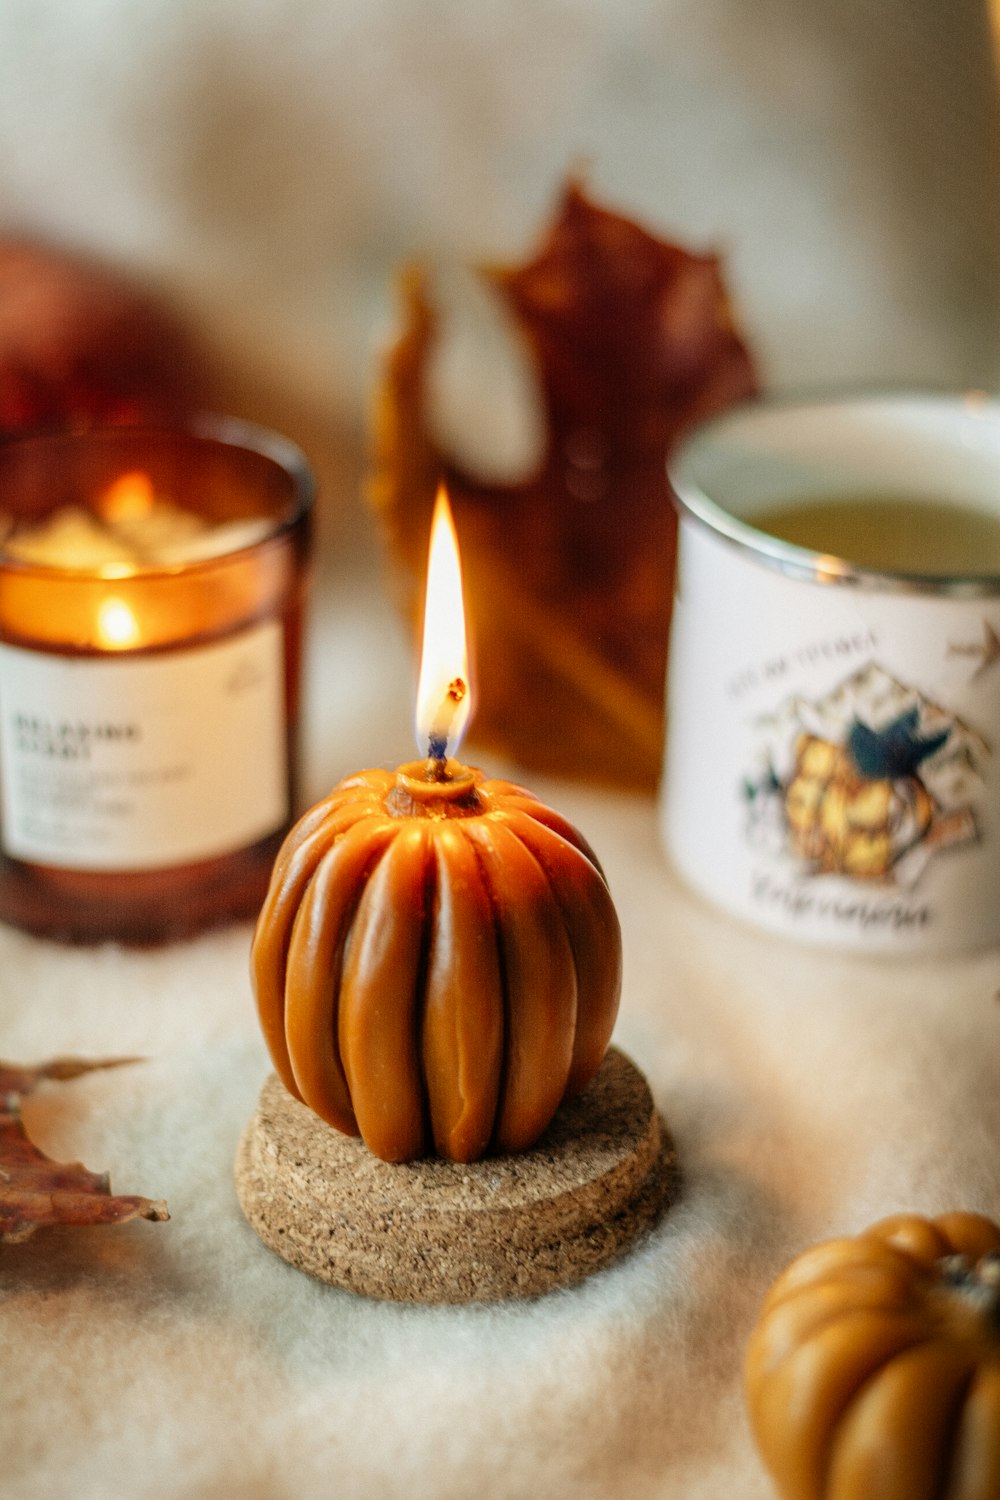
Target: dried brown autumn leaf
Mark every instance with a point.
(35, 1191)
(570, 572)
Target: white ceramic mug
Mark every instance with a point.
(833, 745)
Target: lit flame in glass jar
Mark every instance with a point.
(117, 626)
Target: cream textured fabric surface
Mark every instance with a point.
(808, 1095)
(269, 162)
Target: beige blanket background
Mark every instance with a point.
(267, 163)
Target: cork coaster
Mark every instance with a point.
(435, 1231)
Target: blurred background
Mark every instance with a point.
(267, 164)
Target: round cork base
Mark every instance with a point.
(438, 1231)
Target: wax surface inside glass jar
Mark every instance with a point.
(149, 700)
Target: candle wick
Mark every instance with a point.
(437, 765)
(444, 719)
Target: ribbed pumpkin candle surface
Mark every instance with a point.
(437, 963)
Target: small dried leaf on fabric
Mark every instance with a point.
(35, 1191)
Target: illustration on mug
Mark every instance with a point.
(870, 782)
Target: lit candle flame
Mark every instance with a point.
(444, 700)
(117, 627)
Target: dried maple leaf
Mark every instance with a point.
(569, 573)
(35, 1191)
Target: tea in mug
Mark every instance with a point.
(892, 533)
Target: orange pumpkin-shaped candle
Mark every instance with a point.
(874, 1370)
(437, 963)
(438, 960)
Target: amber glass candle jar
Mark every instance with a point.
(152, 585)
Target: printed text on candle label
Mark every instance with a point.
(138, 762)
(64, 740)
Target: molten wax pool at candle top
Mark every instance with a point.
(438, 960)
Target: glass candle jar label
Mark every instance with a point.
(142, 761)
